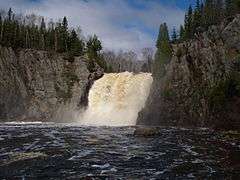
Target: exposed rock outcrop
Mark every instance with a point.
(202, 83)
(34, 85)
(146, 131)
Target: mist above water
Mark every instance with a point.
(116, 99)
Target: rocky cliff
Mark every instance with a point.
(36, 85)
(202, 82)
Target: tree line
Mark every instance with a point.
(129, 61)
(204, 14)
(32, 32)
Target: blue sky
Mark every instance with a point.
(120, 24)
(179, 3)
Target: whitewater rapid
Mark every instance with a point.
(116, 99)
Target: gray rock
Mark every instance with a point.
(146, 131)
(35, 85)
(183, 96)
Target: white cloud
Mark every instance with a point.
(106, 18)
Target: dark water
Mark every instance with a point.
(48, 151)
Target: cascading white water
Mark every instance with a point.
(116, 99)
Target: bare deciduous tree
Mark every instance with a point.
(147, 54)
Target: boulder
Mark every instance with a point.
(146, 131)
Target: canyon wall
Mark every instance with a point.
(201, 86)
(37, 85)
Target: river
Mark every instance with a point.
(68, 151)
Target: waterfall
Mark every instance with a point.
(116, 99)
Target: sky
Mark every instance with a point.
(120, 24)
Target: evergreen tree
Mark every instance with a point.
(237, 5)
(18, 42)
(229, 8)
(197, 17)
(50, 36)
(205, 14)
(94, 46)
(58, 39)
(64, 32)
(42, 34)
(24, 32)
(181, 33)
(189, 23)
(164, 51)
(198, 5)
(10, 13)
(174, 35)
(76, 46)
(201, 10)
(1, 28)
(219, 11)
(232, 7)
(43, 25)
(209, 13)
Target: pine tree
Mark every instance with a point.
(210, 13)
(164, 51)
(42, 34)
(50, 36)
(182, 33)
(189, 23)
(23, 32)
(18, 42)
(94, 46)
(197, 16)
(229, 8)
(174, 35)
(58, 38)
(43, 26)
(8, 29)
(65, 23)
(219, 11)
(65, 34)
(15, 34)
(232, 7)
(10, 13)
(76, 46)
(1, 28)
(205, 14)
(237, 5)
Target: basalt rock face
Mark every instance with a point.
(36, 85)
(202, 82)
